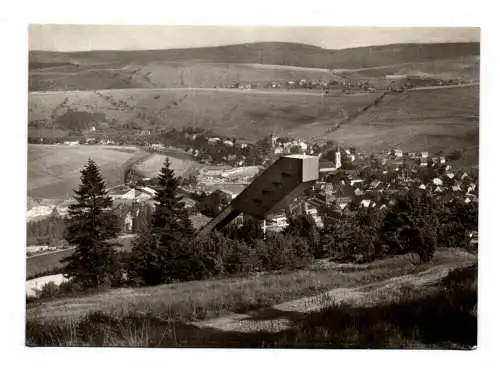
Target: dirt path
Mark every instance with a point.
(274, 319)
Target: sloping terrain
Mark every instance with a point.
(247, 114)
(212, 302)
(221, 66)
(53, 171)
(428, 119)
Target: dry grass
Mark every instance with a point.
(442, 318)
(430, 120)
(199, 300)
(236, 113)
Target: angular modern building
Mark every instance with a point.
(271, 191)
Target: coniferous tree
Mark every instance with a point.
(161, 253)
(89, 225)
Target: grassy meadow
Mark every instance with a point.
(390, 303)
(427, 119)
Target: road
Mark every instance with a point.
(44, 262)
(233, 90)
(183, 89)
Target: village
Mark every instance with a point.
(349, 180)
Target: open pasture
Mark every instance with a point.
(54, 170)
(430, 120)
(246, 114)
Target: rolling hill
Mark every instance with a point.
(428, 119)
(175, 89)
(248, 115)
(221, 66)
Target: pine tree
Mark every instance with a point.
(163, 255)
(89, 225)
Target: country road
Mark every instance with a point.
(43, 262)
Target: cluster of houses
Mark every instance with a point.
(284, 145)
(302, 83)
(393, 173)
(89, 141)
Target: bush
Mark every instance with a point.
(284, 252)
(48, 291)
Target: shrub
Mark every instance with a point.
(284, 252)
(48, 291)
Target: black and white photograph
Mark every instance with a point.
(270, 187)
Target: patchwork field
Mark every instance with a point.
(248, 114)
(432, 120)
(221, 66)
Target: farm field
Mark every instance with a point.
(183, 167)
(54, 170)
(222, 66)
(245, 114)
(430, 120)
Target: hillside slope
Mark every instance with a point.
(428, 119)
(221, 66)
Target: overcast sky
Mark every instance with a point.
(134, 37)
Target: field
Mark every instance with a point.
(426, 119)
(185, 88)
(247, 114)
(183, 167)
(216, 312)
(431, 120)
(37, 265)
(221, 66)
(54, 170)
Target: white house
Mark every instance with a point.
(148, 191)
(355, 181)
(397, 153)
(213, 140)
(437, 182)
(365, 203)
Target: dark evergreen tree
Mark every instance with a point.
(89, 226)
(163, 251)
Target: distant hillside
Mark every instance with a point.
(263, 62)
(274, 53)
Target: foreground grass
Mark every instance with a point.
(444, 318)
(199, 300)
